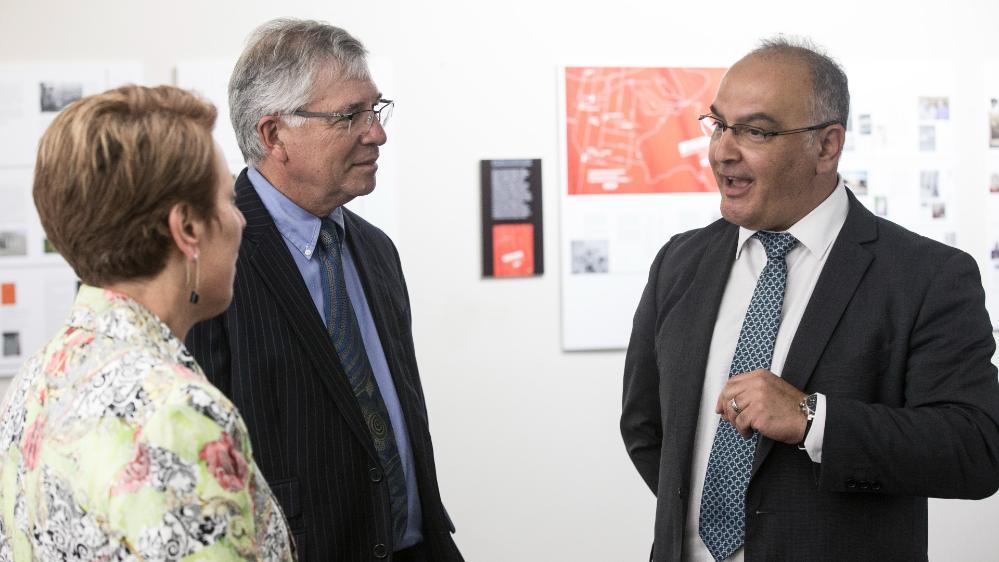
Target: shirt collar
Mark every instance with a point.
(817, 230)
(119, 317)
(298, 226)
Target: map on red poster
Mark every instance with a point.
(635, 130)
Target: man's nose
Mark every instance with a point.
(375, 135)
(725, 146)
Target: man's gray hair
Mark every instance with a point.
(277, 73)
(830, 90)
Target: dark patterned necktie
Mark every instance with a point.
(341, 323)
(722, 523)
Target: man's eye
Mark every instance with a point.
(754, 133)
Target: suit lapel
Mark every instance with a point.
(375, 277)
(844, 269)
(265, 252)
(691, 327)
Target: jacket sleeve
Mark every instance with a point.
(944, 440)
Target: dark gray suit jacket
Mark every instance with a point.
(270, 354)
(896, 336)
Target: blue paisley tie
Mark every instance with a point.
(341, 323)
(722, 524)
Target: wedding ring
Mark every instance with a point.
(735, 407)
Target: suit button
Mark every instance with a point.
(381, 551)
(851, 484)
(679, 492)
(375, 475)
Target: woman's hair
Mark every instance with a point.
(109, 169)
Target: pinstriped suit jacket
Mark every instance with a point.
(270, 354)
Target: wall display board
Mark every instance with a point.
(899, 158)
(989, 115)
(37, 287)
(635, 172)
(32, 94)
(512, 229)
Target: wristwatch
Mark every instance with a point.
(807, 406)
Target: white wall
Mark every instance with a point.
(530, 460)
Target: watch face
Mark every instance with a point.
(811, 402)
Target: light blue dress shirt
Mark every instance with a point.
(300, 230)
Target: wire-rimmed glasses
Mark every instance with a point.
(714, 127)
(356, 120)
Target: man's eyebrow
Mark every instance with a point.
(757, 117)
(751, 118)
(362, 105)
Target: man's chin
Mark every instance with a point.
(736, 214)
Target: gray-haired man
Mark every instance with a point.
(316, 349)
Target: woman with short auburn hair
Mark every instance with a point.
(113, 445)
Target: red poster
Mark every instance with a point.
(513, 250)
(635, 130)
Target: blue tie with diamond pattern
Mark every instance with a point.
(341, 324)
(722, 523)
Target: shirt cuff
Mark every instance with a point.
(813, 442)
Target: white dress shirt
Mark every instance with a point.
(816, 233)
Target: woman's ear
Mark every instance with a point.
(186, 229)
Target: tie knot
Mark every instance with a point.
(776, 244)
(329, 235)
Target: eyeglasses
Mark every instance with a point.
(356, 120)
(715, 127)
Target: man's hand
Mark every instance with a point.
(765, 403)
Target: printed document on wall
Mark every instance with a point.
(635, 172)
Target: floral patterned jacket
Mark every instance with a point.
(114, 446)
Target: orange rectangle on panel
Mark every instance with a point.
(513, 250)
(8, 293)
(635, 130)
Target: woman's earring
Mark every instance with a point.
(197, 275)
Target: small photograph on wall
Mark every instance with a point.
(48, 248)
(994, 182)
(856, 180)
(57, 95)
(590, 256)
(939, 210)
(927, 138)
(934, 108)
(929, 185)
(864, 123)
(11, 344)
(13, 243)
(881, 206)
(994, 123)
